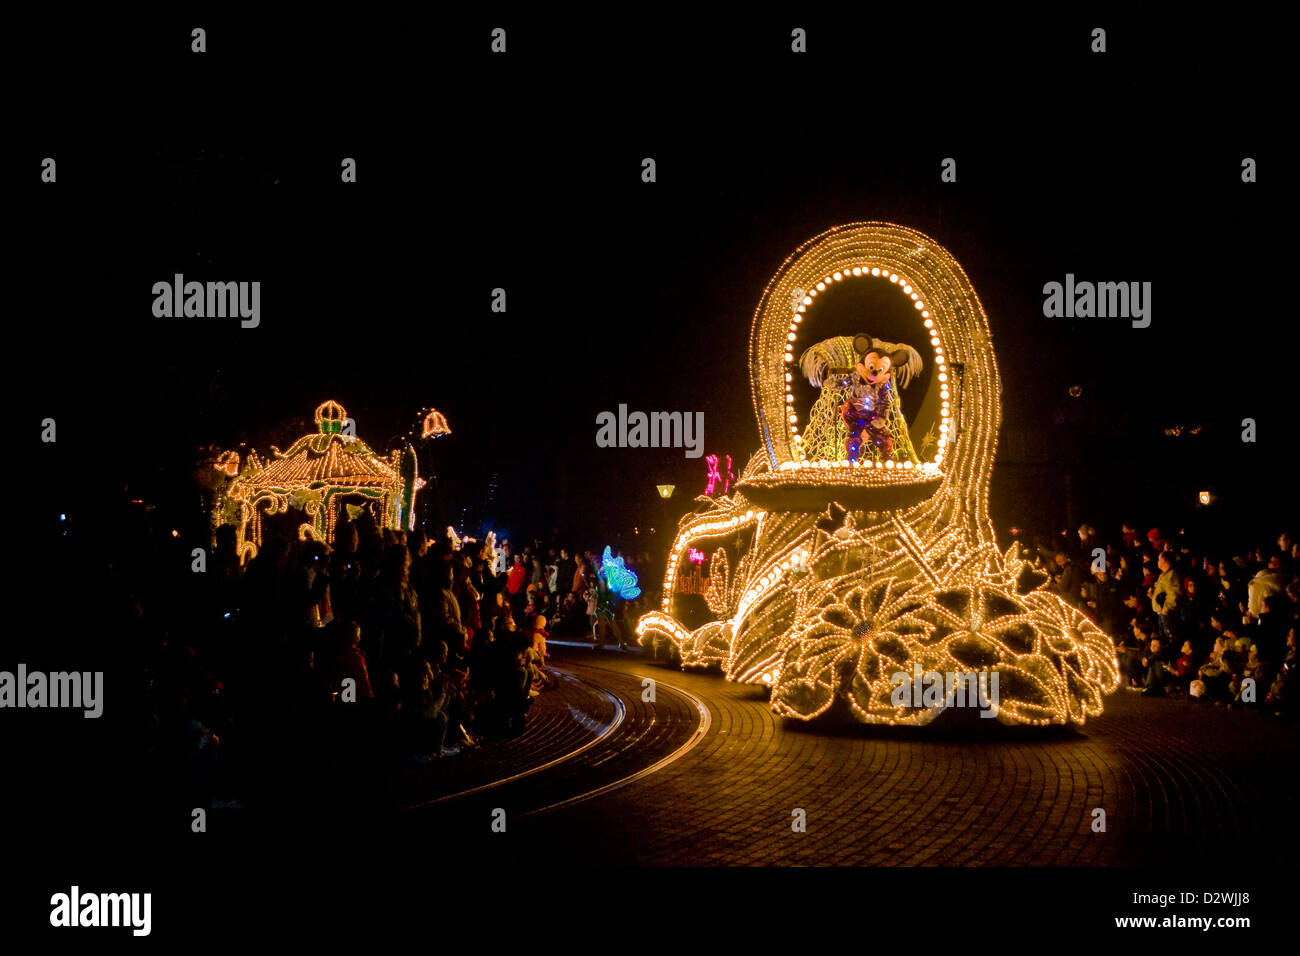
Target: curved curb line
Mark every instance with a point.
(619, 713)
(700, 731)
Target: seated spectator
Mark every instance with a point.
(570, 616)
(1269, 632)
(387, 686)
(350, 662)
(425, 711)
(512, 678)
(1249, 688)
(1185, 666)
(1278, 697)
(1130, 649)
(496, 608)
(1238, 645)
(1216, 672)
(453, 663)
(1102, 601)
(1266, 583)
(1159, 672)
(546, 607)
(533, 605)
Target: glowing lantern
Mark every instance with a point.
(435, 423)
(228, 463)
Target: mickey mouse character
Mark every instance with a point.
(871, 403)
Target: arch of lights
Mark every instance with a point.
(830, 577)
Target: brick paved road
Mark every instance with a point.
(561, 723)
(1185, 786)
(586, 748)
(1178, 782)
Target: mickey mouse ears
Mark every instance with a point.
(948, 314)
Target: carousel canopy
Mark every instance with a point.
(318, 474)
(328, 457)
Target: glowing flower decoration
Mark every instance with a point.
(851, 646)
(1072, 658)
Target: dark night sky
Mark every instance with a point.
(525, 174)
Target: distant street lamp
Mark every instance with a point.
(665, 491)
(1205, 497)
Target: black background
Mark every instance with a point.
(523, 172)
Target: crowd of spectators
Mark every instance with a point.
(417, 647)
(1187, 620)
(403, 649)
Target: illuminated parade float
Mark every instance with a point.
(857, 544)
(321, 474)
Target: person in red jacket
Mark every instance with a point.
(516, 578)
(579, 582)
(351, 662)
(1132, 539)
(1185, 665)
